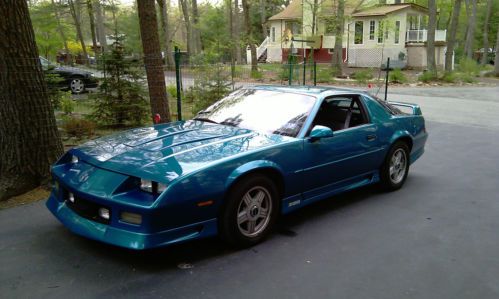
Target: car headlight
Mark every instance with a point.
(74, 159)
(152, 186)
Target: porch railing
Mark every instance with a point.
(421, 36)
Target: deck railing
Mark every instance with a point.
(421, 36)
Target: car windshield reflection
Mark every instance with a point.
(261, 110)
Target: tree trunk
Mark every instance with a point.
(263, 19)
(315, 8)
(196, 35)
(79, 33)
(163, 6)
(338, 42)
(430, 44)
(29, 139)
(90, 10)
(59, 27)
(451, 36)
(470, 33)
(188, 26)
(101, 30)
(237, 32)
(496, 62)
(486, 33)
(114, 9)
(152, 59)
(230, 22)
(249, 36)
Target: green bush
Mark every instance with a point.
(67, 104)
(121, 99)
(469, 67)
(363, 76)
(172, 90)
(284, 72)
(78, 128)
(256, 75)
(427, 77)
(53, 89)
(449, 77)
(397, 76)
(209, 89)
(466, 77)
(324, 75)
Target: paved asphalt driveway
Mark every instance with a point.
(435, 238)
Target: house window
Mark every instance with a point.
(372, 26)
(359, 33)
(397, 32)
(380, 32)
(272, 35)
(294, 27)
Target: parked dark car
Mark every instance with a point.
(74, 79)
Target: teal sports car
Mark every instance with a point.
(233, 169)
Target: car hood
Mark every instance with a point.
(165, 152)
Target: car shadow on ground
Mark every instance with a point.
(189, 254)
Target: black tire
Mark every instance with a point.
(388, 182)
(77, 85)
(229, 228)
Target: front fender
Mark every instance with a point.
(251, 166)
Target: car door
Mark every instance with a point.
(349, 156)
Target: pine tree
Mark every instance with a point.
(121, 99)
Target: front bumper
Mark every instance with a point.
(125, 238)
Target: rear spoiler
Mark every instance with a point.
(416, 110)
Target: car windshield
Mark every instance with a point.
(45, 63)
(261, 110)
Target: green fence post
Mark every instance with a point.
(386, 79)
(315, 73)
(232, 71)
(178, 79)
(304, 68)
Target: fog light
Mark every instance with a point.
(104, 213)
(131, 218)
(71, 197)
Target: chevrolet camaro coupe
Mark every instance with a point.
(233, 169)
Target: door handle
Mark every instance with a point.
(371, 137)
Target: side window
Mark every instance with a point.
(341, 112)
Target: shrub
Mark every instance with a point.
(466, 77)
(209, 89)
(256, 75)
(121, 99)
(53, 90)
(67, 104)
(363, 76)
(449, 77)
(172, 90)
(284, 72)
(397, 76)
(78, 128)
(426, 77)
(469, 66)
(324, 75)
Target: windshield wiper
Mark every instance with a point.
(205, 119)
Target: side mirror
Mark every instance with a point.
(319, 132)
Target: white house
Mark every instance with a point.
(372, 34)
